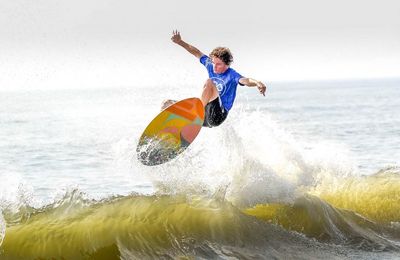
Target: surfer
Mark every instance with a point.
(219, 90)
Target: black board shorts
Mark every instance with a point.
(215, 113)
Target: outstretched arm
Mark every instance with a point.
(176, 38)
(254, 83)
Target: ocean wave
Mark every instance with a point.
(173, 226)
(255, 193)
(140, 226)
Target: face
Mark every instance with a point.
(218, 65)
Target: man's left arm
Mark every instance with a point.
(253, 83)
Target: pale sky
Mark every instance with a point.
(107, 43)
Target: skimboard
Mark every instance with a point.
(171, 132)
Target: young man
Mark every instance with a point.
(219, 90)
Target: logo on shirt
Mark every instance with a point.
(220, 84)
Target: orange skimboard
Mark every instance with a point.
(171, 132)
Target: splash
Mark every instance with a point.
(255, 160)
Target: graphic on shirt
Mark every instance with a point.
(220, 84)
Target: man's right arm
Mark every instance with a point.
(176, 38)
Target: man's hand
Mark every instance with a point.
(254, 83)
(176, 37)
(261, 87)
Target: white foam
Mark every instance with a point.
(16, 192)
(255, 158)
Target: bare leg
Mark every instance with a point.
(166, 103)
(209, 93)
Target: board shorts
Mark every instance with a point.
(215, 113)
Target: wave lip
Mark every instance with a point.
(359, 211)
(318, 219)
(376, 196)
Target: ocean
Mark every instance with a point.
(311, 171)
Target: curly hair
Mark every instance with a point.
(223, 54)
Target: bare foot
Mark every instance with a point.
(166, 103)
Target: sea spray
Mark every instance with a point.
(254, 159)
(16, 197)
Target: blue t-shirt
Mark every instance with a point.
(226, 82)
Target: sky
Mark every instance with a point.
(106, 43)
